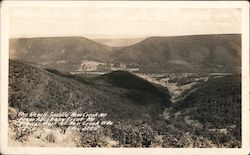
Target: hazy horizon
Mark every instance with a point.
(118, 36)
(119, 41)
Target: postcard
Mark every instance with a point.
(124, 77)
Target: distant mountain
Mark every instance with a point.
(64, 53)
(197, 53)
(122, 42)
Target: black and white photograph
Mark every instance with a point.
(126, 75)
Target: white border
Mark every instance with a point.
(244, 5)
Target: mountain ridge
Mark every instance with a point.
(193, 53)
(204, 53)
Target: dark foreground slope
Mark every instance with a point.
(197, 53)
(138, 87)
(142, 113)
(36, 89)
(33, 89)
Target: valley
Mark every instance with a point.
(179, 85)
(168, 92)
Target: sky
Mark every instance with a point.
(123, 22)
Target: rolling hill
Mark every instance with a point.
(197, 53)
(63, 53)
(217, 101)
(38, 89)
(215, 107)
(138, 87)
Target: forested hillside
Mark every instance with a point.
(142, 112)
